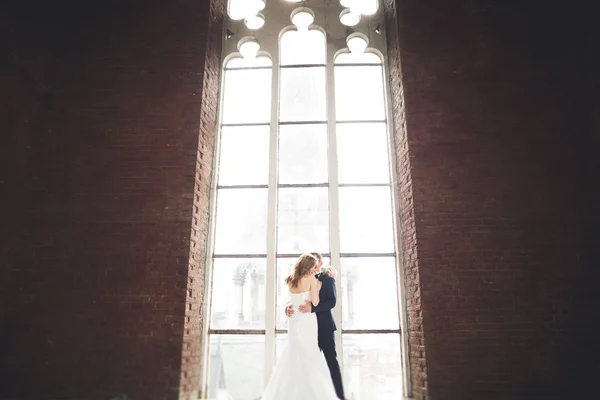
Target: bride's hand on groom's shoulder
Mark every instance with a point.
(329, 271)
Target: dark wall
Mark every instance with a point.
(501, 135)
(100, 121)
(99, 183)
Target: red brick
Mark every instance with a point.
(102, 126)
(496, 196)
(105, 177)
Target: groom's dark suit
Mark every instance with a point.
(326, 323)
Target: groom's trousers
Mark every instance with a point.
(327, 346)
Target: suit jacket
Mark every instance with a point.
(327, 300)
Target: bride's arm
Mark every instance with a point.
(314, 291)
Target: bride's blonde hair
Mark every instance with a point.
(304, 266)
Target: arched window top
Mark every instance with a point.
(364, 58)
(246, 89)
(303, 44)
(357, 52)
(302, 47)
(250, 56)
(241, 62)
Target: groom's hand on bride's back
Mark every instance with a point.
(289, 310)
(306, 307)
(303, 308)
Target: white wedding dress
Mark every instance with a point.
(302, 372)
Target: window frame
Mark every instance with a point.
(269, 41)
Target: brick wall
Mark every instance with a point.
(193, 360)
(499, 225)
(105, 165)
(100, 120)
(405, 212)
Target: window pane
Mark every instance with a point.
(241, 226)
(303, 220)
(372, 367)
(303, 153)
(301, 48)
(236, 366)
(244, 158)
(284, 269)
(238, 293)
(302, 94)
(364, 276)
(363, 153)
(366, 220)
(359, 93)
(247, 96)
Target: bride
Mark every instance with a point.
(302, 372)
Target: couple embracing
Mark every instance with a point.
(308, 368)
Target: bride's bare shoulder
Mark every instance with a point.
(303, 285)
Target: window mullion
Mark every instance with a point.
(270, 284)
(334, 203)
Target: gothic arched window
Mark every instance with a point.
(303, 165)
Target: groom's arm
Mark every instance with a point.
(288, 309)
(330, 296)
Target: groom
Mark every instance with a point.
(327, 299)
